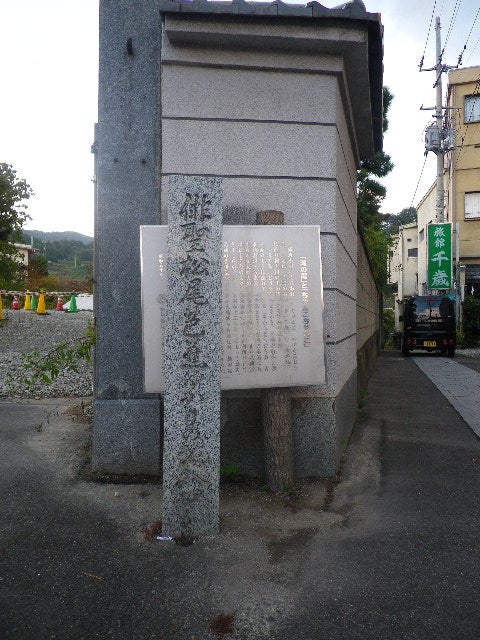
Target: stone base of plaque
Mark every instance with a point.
(346, 405)
(127, 437)
(321, 428)
(313, 421)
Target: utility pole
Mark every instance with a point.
(439, 118)
(440, 138)
(437, 137)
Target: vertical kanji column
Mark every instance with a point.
(193, 357)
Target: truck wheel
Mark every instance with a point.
(451, 352)
(406, 351)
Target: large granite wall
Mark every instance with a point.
(237, 114)
(369, 318)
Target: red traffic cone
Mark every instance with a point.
(59, 306)
(15, 305)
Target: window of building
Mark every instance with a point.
(413, 253)
(472, 205)
(421, 235)
(472, 109)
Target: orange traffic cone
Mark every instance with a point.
(59, 306)
(15, 305)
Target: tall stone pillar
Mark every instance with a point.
(191, 464)
(126, 430)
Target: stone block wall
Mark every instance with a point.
(369, 309)
(238, 115)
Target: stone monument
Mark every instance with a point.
(191, 463)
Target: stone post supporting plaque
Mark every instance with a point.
(192, 357)
(276, 413)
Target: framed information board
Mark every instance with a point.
(272, 306)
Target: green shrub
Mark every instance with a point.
(458, 338)
(388, 328)
(65, 356)
(230, 472)
(471, 321)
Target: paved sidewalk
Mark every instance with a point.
(458, 383)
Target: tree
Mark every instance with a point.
(391, 223)
(36, 272)
(471, 321)
(387, 101)
(370, 191)
(370, 196)
(378, 243)
(13, 194)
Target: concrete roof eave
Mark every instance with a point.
(25, 247)
(347, 30)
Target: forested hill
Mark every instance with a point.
(55, 236)
(63, 261)
(61, 246)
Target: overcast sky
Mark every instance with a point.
(49, 97)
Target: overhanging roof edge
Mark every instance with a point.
(349, 10)
(353, 11)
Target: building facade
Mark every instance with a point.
(24, 253)
(461, 198)
(462, 167)
(403, 266)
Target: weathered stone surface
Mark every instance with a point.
(131, 443)
(246, 91)
(126, 435)
(192, 357)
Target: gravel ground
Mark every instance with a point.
(23, 332)
(468, 353)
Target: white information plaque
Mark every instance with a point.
(272, 306)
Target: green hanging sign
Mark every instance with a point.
(440, 256)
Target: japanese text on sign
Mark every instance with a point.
(272, 306)
(440, 256)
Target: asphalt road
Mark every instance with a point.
(391, 551)
(406, 563)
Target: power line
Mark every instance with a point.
(418, 183)
(473, 50)
(468, 38)
(428, 35)
(451, 25)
